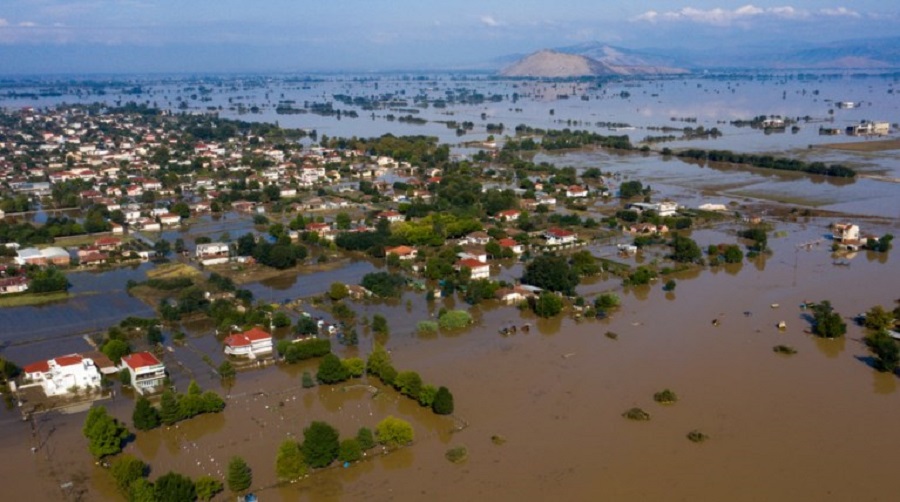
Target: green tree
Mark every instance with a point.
(115, 350)
(142, 490)
(733, 254)
(320, 444)
(162, 247)
(409, 383)
(380, 324)
(547, 304)
(331, 370)
(338, 291)
(878, 319)
(350, 450)
(826, 322)
(169, 411)
(427, 394)
(289, 463)
(885, 350)
(355, 366)
(226, 370)
(443, 402)
(207, 487)
(394, 432)
(454, 319)
(584, 263)
(343, 221)
(126, 470)
(684, 249)
(606, 301)
(365, 438)
(145, 416)
(552, 273)
(175, 487)
(105, 434)
(240, 477)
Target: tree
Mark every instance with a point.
(207, 487)
(885, 350)
(331, 370)
(179, 246)
(684, 249)
(126, 470)
(443, 401)
(454, 319)
(115, 350)
(365, 438)
(394, 432)
(338, 291)
(547, 304)
(878, 319)
(343, 221)
(584, 263)
(289, 463)
(145, 416)
(240, 477)
(552, 273)
(226, 370)
(141, 490)
(105, 434)
(175, 487)
(169, 411)
(320, 444)
(409, 383)
(826, 322)
(355, 366)
(162, 247)
(350, 450)
(380, 324)
(733, 254)
(606, 301)
(427, 394)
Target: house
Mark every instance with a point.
(149, 225)
(212, 253)
(391, 216)
(473, 253)
(514, 295)
(508, 215)
(661, 208)
(402, 252)
(847, 236)
(476, 238)
(866, 128)
(169, 219)
(47, 256)
(511, 244)
(17, 284)
(243, 206)
(646, 229)
(558, 237)
(478, 269)
(576, 191)
(147, 372)
(108, 243)
(252, 344)
(64, 374)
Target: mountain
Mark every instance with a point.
(588, 60)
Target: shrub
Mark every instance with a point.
(289, 463)
(784, 349)
(320, 444)
(331, 370)
(393, 432)
(665, 396)
(427, 326)
(636, 414)
(443, 402)
(240, 477)
(457, 455)
(455, 319)
(365, 438)
(350, 450)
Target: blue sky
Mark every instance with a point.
(52, 36)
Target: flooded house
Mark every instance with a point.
(846, 235)
(148, 374)
(479, 270)
(64, 375)
(252, 344)
(559, 237)
(866, 128)
(402, 252)
(18, 284)
(212, 253)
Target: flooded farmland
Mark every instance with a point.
(817, 425)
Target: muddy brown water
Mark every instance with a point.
(818, 425)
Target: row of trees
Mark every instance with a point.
(409, 383)
(130, 475)
(175, 407)
(769, 162)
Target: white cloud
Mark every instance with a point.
(27, 24)
(3, 22)
(724, 17)
(489, 20)
(839, 11)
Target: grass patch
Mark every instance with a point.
(457, 455)
(636, 414)
(26, 299)
(665, 396)
(173, 271)
(696, 436)
(784, 349)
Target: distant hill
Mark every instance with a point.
(596, 60)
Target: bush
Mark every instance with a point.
(350, 450)
(308, 381)
(306, 349)
(606, 301)
(885, 350)
(784, 349)
(443, 402)
(289, 463)
(427, 327)
(665, 396)
(457, 455)
(207, 487)
(409, 383)
(226, 370)
(547, 304)
(394, 432)
(826, 322)
(636, 414)
(320, 444)
(331, 370)
(174, 486)
(240, 477)
(126, 470)
(365, 438)
(455, 319)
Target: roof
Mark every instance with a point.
(257, 334)
(507, 242)
(38, 367)
(246, 338)
(558, 232)
(140, 360)
(69, 360)
(471, 263)
(401, 250)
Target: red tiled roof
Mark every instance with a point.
(140, 360)
(508, 243)
(558, 232)
(69, 360)
(238, 340)
(38, 367)
(471, 263)
(257, 334)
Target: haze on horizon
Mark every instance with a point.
(128, 36)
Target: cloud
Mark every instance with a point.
(489, 20)
(3, 22)
(27, 24)
(839, 11)
(724, 17)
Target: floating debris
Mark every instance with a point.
(696, 436)
(784, 349)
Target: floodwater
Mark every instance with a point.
(813, 426)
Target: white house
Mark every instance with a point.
(64, 374)
(847, 235)
(558, 237)
(147, 372)
(576, 191)
(170, 219)
(402, 252)
(212, 253)
(16, 284)
(252, 344)
(479, 270)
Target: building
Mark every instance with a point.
(511, 244)
(847, 236)
(252, 344)
(479, 270)
(212, 253)
(508, 215)
(576, 191)
(661, 208)
(148, 374)
(17, 284)
(64, 375)
(402, 252)
(866, 128)
(47, 256)
(559, 237)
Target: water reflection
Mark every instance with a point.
(884, 383)
(831, 347)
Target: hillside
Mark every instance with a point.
(597, 62)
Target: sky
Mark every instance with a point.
(110, 36)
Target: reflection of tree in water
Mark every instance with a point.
(884, 383)
(831, 347)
